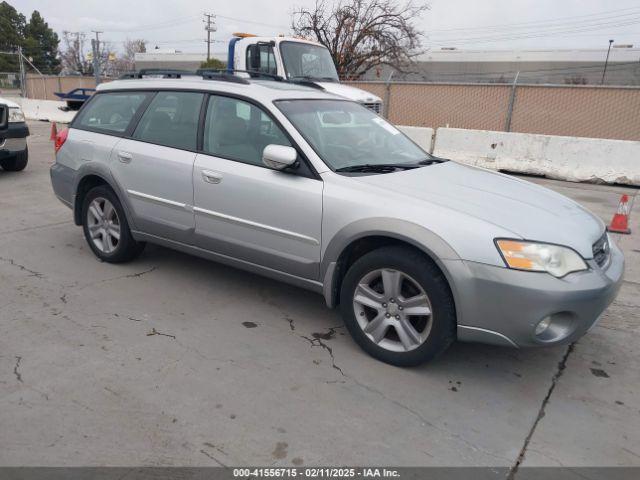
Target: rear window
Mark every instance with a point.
(111, 112)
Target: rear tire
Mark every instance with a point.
(106, 228)
(17, 162)
(398, 306)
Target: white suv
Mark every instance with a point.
(312, 189)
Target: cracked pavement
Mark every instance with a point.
(174, 360)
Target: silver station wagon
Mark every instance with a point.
(312, 189)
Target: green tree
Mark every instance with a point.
(41, 44)
(214, 64)
(12, 27)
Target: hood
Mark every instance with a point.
(349, 92)
(9, 103)
(526, 209)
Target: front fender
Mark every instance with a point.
(411, 233)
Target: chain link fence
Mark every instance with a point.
(570, 110)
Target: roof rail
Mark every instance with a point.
(165, 72)
(251, 73)
(221, 75)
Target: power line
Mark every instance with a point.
(242, 20)
(154, 26)
(538, 22)
(532, 34)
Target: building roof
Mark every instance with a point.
(542, 55)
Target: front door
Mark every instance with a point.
(246, 210)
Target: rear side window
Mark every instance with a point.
(172, 120)
(111, 112)
(239, 130)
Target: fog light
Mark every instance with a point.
(543, 325)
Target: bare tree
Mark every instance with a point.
(131, 47)
(74, 56)
(363, 34)
(126, 62)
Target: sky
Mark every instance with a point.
(464, 24)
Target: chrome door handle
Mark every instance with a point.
(211, 177)
(124, 157)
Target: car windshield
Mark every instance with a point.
(307, 61)
(346, 135)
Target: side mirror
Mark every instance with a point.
(279, 157)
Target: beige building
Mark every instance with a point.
(577, 66)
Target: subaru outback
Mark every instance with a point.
(315, 190)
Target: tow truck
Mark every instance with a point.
(296, 60)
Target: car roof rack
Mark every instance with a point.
(221, 75)
(231, 72)
(164, 72)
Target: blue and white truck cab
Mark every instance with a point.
(294, 59)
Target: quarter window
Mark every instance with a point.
(239, 130)
(111, 112)
(171, 120)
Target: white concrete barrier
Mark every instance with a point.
(564, 158)
(423, 136)
(48, 110)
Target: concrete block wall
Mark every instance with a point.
(573, 159)
(45, 110)
(421, 135)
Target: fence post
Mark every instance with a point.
(387, 96)
(23, 75)
(512, 100)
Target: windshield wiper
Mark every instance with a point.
(380, 167)
(431, 160)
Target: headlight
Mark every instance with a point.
(540, 257)
(15, 115)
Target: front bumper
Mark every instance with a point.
(503, 306)
(13, 139)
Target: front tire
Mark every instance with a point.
(17, 162)
(398, 306)
(106, 228)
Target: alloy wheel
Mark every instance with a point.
(103, 225)
(393, 310)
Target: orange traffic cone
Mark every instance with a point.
(620, 220)
(54, 131)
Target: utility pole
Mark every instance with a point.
(604, 72)
(210, 26)
(95, 46)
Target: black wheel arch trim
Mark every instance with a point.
(101, 171)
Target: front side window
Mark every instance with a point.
(111, 112)
(346, 134)
(260, 58)
(171, 120)
(307, 61)
(239, 130)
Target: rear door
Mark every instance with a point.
(155, 165)
(246, 210)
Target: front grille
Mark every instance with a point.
(601, 250)
(3, 116)
(375, 107)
